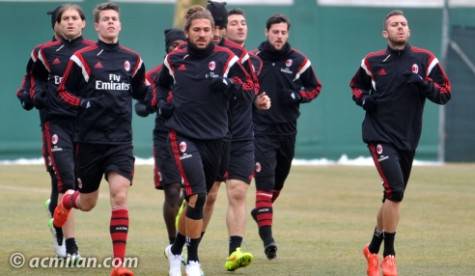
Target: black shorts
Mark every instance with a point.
(394, 167)
(241, 162)
(165, 171)
(223, 168)
(44, 150)
(274, 155)
(95, 160)
(197, 161)
(59, 145)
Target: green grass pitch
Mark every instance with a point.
(323, 217)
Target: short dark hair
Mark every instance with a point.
(199, 14)
(65, 7)
(103, 7)
(236, 11)
(391, 14)
(276, 19)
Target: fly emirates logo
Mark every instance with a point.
(57, 79)
(114, 84)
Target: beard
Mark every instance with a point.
(397, 43)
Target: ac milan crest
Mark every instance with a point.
(379, 149)
(289, 62)
(415, 69)
(54, 139)
(212, 65)
(182, 146)
(98, 65)
(382, 72)
(127, 65)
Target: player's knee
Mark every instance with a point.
(211, 197)
(87, 205)
(396, 195)
(119, 199)
(194, 209)
(237, 193)
(237, 196)
(172, 196)
(266, 183)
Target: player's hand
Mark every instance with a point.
(93, 102)
(85, 103)
(25, 99)
(220, 85)
(413, 78)
(142, 109)
(164, 109)
(39, 100)
(369, 104)
(293, 97)
(262, 101)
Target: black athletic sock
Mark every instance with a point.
(192, 246)
(71, 246)
(389, 244)
(265, 232)
(376, 241)
(177, 246)
(59, 235)
(171, 240)
(234, 242)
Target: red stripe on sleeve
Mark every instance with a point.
(64, 94)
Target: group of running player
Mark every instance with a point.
(223, 114)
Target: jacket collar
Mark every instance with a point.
(71, 42)
(269, 52)
(398, 52)
(200, 53)
(108, 46)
